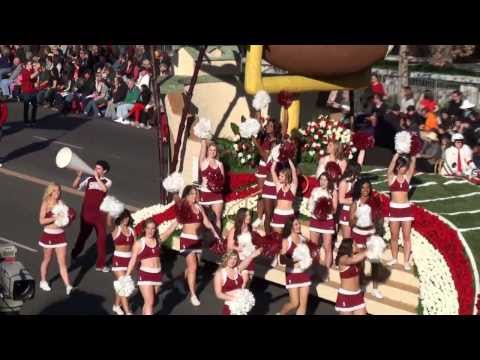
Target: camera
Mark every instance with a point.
(16, 283)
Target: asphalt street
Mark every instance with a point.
(132, 154)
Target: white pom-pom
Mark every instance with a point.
(302, 256)
(244, 302)
(403, 141)
(248, 128)
(60, 212)
(203, 129)
(173, 183)
(375, 247)
(275, 153)
(124, 286)
(112, 206)
(261, 100)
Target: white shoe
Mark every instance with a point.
(117, 310)
(142, 125)
(125, 122)
(376, 293)
(194, 300)
(148, 127)
(44, 286)
(69, 289)
(407, 266)
(392, 262)
(119, 120)
(105, 269)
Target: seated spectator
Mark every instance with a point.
(99, 98)
(85, 92)
(414, 119)
(6, 85)
(119, 92)
(139, 106)
(476, 154)
(120, 64)
(456, 100)
(131, 98)
(43, 83)
(5, 64)
(431, 150)
(127, 72)
(458, 158)
(407, 99)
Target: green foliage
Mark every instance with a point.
(235, 128)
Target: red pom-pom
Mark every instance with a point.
(314, 251)
(215, 181)
(323, 208)
(72, 215)
(285, 99)
(334, 172)
(363, 140)
(416, 144)
(375, 204)
(271, 243)
(219, 247)
(287, 151)
(307, 184)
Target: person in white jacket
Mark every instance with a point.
(458, 158)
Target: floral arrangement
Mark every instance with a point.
(302, 256)
(243, 302)
(124, 286)
(112, 206)
(318, 133)
(243, 152)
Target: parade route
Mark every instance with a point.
(133, 156)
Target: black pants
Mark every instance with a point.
(27, 100)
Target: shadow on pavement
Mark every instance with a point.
(78, 303)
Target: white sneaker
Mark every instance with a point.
(105, 269)
(142, 125)
(407, 266)
(194, 300)
(392, 262)
(148, 127)
(376, 293)
(44, 286)
(125, 122)
(69, 289)
(117, 310)
(119, 120)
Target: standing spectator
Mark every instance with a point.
(87, 89)
(338, 103)
(29, 94)
(3, 120)
(476, 155)
(407, 100)
(119, 93)
(139, 106)
(131, 98)
(456, 99)
(377, 87)
(5, 84)
(43, 84)
(99, 98)
(392, 125)
(5, 64)
(143, 78)
(377, 118)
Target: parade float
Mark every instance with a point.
(445, 276)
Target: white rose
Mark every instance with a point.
(322, 123)
(350, 157)
(240, 154)
(243, 161)
(315, 137)
(235, 146)
(249, 156)
(311, 152)
(354, 149)
(321, 152)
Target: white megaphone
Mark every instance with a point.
(66, 158)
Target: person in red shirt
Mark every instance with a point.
(377, 86)
(29, 93)
(96, 188)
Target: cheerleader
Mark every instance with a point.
(323, 227)
(239, 238)
(362, 222)
(266, 203)
(228, 277)
(123, 238)
(146, 251)
(297, 280)
(350, 298)
(286, 187)
(345, 189)
(53, 237)
(399, 175)
(192, 217)
(336, 154)
(211, 172)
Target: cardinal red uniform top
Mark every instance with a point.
(230, 285)
(93, 194)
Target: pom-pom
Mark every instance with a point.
(375, 204)
(112, 206)
(203, 129)
(271, 243)
(275, 153)
(314, 251)
(403, 142)
(375, 247)
(173, 183)
(72, 215)
(323, 208)
(301, 255)
(61, 214)
(243, 302)
(219, 247)
(415, 144)
(124, 286)
(248, 128)
(215, 181)
(363, 140)
(261, 100)
(285, 99)
(287, 151)
(334, 172)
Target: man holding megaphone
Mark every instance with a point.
(96, 188)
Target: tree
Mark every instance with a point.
(444, 55)
(402, 70)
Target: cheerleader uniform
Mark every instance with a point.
(52, 238)
(230, 285)
(364, 226)
(262, 169)
(400, 211)
(280, 216)
(243, 240)
(345, 211)
(326, 226)
(269, 190)
(148, 275)
(190, 243)
(295, 277)
(122, 258)
(208, 197)
(348, 300)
